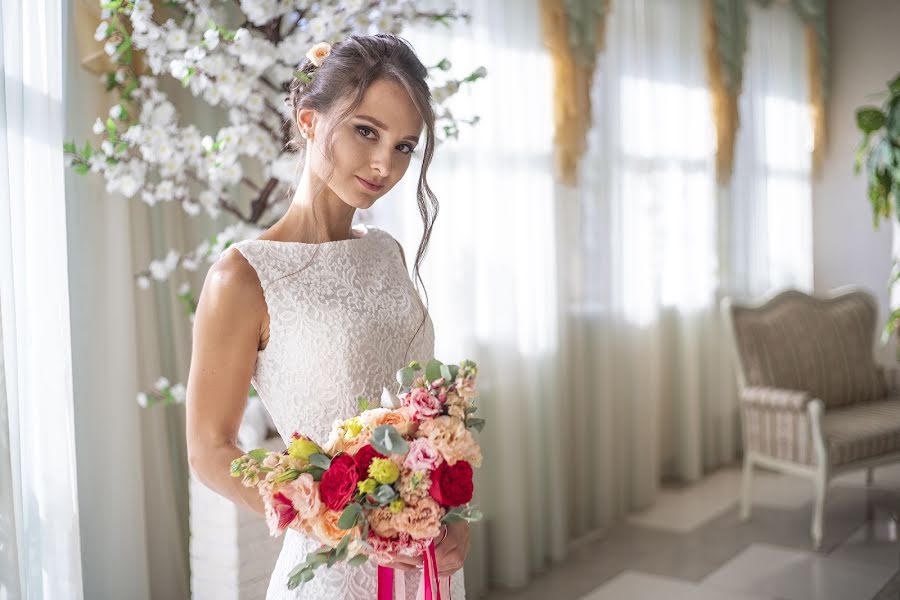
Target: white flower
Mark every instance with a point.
(320, 51)
(99, 126)
(178, 392)
(158, 270)
(107, 147)
(178, 68)
(389, 400)
(110, 48)
(172, 260)
(162, 383)
(184, 288)
(191, 208)
(176, 39)
(189, 264)
(116, 111)
(241, 36)
(143, 282)
(100, 34)
(211, 37)
(480, 72)
(195, 54)
(207, 142)
(142, 400)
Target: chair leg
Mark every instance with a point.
(821, 488)
(746, 483)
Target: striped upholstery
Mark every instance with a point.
(776, 424)
(822, 346)
(862, 431)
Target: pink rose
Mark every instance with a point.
(423, 404)
(303, 494)
(422, 456)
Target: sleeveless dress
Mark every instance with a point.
(338, 328)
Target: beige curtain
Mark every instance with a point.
(125, 338)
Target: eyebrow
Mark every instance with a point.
(412, 138)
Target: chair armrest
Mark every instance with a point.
(776, 398)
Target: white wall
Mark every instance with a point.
(865, 50)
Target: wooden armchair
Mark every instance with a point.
(814, 401)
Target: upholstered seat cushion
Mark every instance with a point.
(821, 346)
(862, 431)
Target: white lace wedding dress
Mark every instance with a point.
(338, 328)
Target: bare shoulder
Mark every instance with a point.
(233, 286)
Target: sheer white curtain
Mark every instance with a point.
(39, 530)
(593, 311)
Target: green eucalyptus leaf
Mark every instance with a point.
(433, 370)
(405, 376)
(869, 119)
(357, 560)
(387, 440)
(349, 516)
(258, 454)
(317, 459)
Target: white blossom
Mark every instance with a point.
(99, 126)
(211, 38)
(116, 111)
(100, 34)
(178, 69)
(162, 383)
(178, 392)
(110, 48)
(143, 282)
(142, 400)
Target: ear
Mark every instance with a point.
(306, 119)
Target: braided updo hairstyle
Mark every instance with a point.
(350, 68)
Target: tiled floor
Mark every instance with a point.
(691, 545)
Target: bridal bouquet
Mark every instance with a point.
(385, 480)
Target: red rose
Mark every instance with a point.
(452, 485)
(364, 458)
(338, 483)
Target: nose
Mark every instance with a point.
(381, 163)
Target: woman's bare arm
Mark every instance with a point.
(227, 325)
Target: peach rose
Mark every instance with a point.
(326, 528)
(304, 495)
(318, 53)
(400, 419)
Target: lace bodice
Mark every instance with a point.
(339, 327)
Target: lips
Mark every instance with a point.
(369, 185)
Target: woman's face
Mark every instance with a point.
(372, 149)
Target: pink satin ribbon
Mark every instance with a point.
(431, 582)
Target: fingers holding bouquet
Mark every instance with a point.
(391, 484)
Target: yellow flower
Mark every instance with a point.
(384, 470)
(301, 448)
(397, 505)
(353, 428)
(367, 486)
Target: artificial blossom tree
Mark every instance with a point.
(240, 56)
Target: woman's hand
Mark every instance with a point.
(404, 563)
(451, 553)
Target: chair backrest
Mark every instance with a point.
(820, 344)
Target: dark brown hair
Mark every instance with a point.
(343, 77)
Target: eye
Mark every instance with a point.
(363, 130)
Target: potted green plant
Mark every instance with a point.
(880, 152)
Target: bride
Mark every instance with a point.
(315, 312)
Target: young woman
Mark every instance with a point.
(314, 312)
